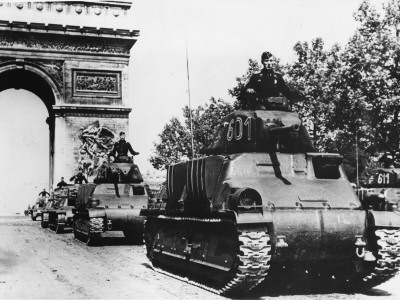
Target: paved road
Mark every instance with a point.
(37, 263)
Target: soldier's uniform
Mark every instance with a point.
(266, 84)
(121, 149)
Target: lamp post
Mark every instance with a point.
(357, 163)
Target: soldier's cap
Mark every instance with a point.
(121, 133)
(266, 55)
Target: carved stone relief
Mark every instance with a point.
(98, 82)
(97, 142)
(90, 45)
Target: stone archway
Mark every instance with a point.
(74, 56)
(31, 77)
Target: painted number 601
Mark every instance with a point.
(236, 127)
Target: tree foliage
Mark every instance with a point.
(176, 140)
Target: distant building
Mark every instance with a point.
(154, 180)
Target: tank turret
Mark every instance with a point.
(260, 131)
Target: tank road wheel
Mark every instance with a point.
(89, 230)
(214, 254)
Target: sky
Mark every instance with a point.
(220, 37)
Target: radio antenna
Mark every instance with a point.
(190, 107)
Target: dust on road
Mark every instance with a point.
(37, 263)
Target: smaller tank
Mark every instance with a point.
(36, 210)
(50, 204)
(61, 215)
(382, 191)
(112, 203)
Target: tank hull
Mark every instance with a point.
(263, 206)
(312, 225)
(99, 209)
(61, 220)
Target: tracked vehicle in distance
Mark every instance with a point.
(382, 190)
(60, 217)
(50, 204)
(112, 203)
(36, 210)
(263, 203)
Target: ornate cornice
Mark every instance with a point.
(118, 9)
(91, 111)
(21, 40)
(108, 18)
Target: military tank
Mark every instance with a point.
(262, 203)
(36, 210)
(112, 203)
(60, 217)
(50, 204)
(382, 190)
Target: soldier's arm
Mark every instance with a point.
(250, 85)
(292, 95)
(130, 149)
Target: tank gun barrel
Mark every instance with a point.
(275, 130)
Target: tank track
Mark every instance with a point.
(388, 262)
(96, 228)
(254, 257)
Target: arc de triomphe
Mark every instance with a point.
(74, 55)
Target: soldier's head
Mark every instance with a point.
(268, 60)
(62, 178)
(122, 135)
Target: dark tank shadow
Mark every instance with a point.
(148, 266)
(272, 288)
(119, 241)
(376, 292)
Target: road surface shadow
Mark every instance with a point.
(270, 288)
(147, 265)
(8, 260)
(119, 241)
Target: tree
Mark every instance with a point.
(349, 92)
(175, 139)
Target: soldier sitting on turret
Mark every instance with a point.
(121, 148)
(266, 84)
